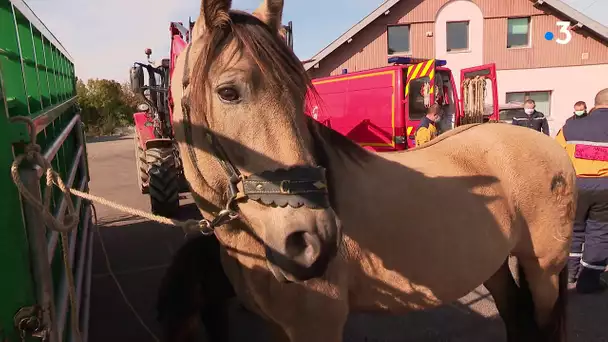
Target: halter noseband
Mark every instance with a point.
(295, 186)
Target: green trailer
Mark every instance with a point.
(37, 81)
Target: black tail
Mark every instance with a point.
(195, 290)
(526, 307)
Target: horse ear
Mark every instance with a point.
(271, 13)
(214, 14)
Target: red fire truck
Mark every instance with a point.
(381, 108)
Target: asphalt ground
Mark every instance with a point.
(140, 251)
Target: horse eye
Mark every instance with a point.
(228, 94)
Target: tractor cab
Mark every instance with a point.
(151, 119)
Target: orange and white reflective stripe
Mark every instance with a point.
(585, 142)
(593, 267)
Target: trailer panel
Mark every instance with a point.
(37, 81)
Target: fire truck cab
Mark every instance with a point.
(381, 108)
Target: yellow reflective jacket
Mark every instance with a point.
(426, 131)
(586, 142)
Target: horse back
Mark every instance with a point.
(534, 176)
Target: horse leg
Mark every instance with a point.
(548, 287)
(324, 333)
(277, 333)
(178, 307)
(314, 317)
(324, 321)
(216, 320)
(514, 305)
(195, 292)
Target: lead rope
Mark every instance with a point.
(104, 251)
(33, 155)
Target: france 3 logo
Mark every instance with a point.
(564, 35)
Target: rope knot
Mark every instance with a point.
(33, 149)
(70, 221)
(32, 152)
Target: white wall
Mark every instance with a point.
(567, 85)
(460, 10)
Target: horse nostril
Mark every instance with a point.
(303, 247)
(295, 244)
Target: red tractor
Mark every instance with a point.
(159, 167)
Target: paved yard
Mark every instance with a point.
(140, 250)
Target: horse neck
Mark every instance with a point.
(347, 179)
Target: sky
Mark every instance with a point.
(104, 37)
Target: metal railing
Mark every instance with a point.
(44, 248)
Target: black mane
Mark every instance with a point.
(326, 138)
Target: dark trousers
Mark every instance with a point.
(590, 235)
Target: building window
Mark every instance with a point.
(398, 39)
(541, 98)
(518, 32)
(457, 36)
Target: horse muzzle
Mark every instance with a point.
(303, 254)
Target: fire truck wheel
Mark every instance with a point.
(141, 166)
(163, 181)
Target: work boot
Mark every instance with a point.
(590, 281)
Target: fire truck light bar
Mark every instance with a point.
(410, 60)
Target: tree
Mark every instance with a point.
(129, 97)
(105, 105)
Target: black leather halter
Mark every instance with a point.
(295, 186)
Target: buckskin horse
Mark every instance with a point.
(313, 226)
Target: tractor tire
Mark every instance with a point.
(163, 181)
(141, 166)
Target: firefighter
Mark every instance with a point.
(531, 118)
(586, 142)
(427, 130)
(580, 111)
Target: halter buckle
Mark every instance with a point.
(205, 227)
(223, 217)
(283, 187)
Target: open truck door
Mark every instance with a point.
(478, 95)
(419, 95)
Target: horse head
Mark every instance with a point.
(247, 137)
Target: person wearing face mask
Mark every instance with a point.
(427, 130)
(580, 111)
(531, 118)
(586, 142)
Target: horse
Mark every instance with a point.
(313, 226)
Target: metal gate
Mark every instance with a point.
(37, 80)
